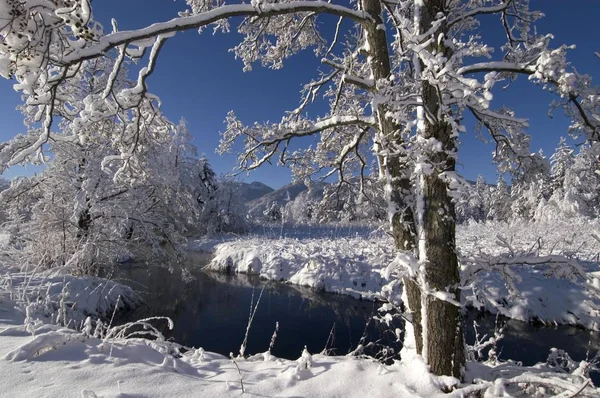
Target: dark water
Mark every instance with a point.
(212, 310)
(531, 344)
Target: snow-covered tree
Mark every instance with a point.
(83, 219)
(304, 208)
(500, 201)
(560, 162)
(529, 186)
(225, 210)
(91, 205)
(4, 184)
(582, 184)
(273, 212)
(398, 77)
(479, 200)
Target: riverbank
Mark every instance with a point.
(539, 259)
(41, 359)
(52, 361)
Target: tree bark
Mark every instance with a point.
(402, 219)
(445, 348)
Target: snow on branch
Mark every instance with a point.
(517, 270)
(44, 48)
(549, 67)
(265, 10)
(263, 141)
(481, 10)
(562, 385)
(497, 66)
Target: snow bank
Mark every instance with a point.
(346, 265)
(572, 237)
(62, 363)
(353, 264)
(553, 294)
(547, 300)
(66, 299)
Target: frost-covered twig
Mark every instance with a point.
(238, 370)
(273, 337)
(331, 338)
(121, 331)
(555, 382)
(483, 342)
(250, 319)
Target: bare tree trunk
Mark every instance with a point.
(445, 348)
(403, 222)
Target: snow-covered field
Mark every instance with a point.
(552, 269)
(54, 296)
(354, 263)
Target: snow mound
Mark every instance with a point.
(552, 271)
(42, 343)
(62, 363)
(355, 265)
(47, 295)
(346, 265)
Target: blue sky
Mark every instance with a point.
(199, 80)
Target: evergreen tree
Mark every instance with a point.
(529, 186)
(582, 184)
(500, 201)
(560, 162)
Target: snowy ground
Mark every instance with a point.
(41, 359)
(58, 362)
(550, 291)
(353, 261)
(341, 265)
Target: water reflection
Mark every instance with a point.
(212, 310)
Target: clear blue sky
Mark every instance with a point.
(199, 80)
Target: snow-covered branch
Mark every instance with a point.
(262, 142)
(264, 10)
(481, 10)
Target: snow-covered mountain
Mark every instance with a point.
(281, 196)
(253, 190)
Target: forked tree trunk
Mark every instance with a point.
(444, 339)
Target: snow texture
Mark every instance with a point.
(541, 295)
(64, 363)
(67, 299)
(345, 265)
(59, 362)
(358, 266)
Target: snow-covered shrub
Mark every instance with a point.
(65, 300)
(347, 265)
(533, 270)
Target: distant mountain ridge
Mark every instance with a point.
(258, 196)
(281, 196)
(250, 191)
